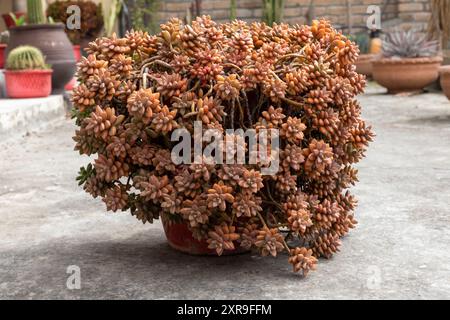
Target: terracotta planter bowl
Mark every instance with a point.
(180, 238)
(28, 83)
(2, 55)
(406, 74)
(444, 73)
(364, 64)
(54, 44)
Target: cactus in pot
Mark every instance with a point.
(26, 58)
(37, 33)
(27, 75)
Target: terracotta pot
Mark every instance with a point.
(77, 52)
(406, 74)
(54, 44)
(2, 85)
(73, 81)
(2, 55)
(364, 64)
(180, 238)
(28, 83)
(72, 84)
(9, 21)
(444, 73)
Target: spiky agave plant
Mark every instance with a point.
(26, 58)
(409, 44)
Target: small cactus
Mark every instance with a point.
(35, 12)
(25, 58)
(273, 11)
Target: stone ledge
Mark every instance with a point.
(20, 116)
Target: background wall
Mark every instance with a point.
(408, 13)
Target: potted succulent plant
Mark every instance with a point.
(444, 73)
(91, 22)
(410, 62)
(364, 62)
(18, 14)
(136, 91)
(4, 38)
(27, 75)
(51, 39)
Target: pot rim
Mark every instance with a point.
(3, 45)
(29, 71)
(444, 69)
(419, 60)
(366, 57)
(57, 25)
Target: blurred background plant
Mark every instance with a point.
(439, 23)
(273, 11)
(18, 20)
(194, 10)
(409, 44)
(35, 12)
(142, 14)
(91, 21)
(362, 40)
(4, 37)
(233, 9)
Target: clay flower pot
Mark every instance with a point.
(28, 83)
(364, 64)
(2, 55)
(54, 44)
(406, 74)
(181, 239)
(444, 73)
(77, 54)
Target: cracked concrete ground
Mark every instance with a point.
(399, 250)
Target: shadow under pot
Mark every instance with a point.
(54, 44)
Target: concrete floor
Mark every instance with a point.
(400, 250)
